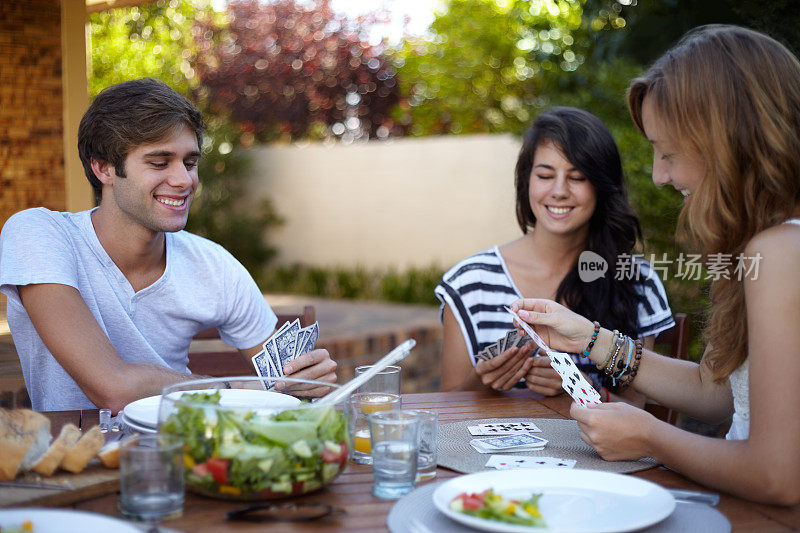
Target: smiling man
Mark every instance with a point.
(103, 304)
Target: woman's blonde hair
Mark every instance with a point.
(730, 97)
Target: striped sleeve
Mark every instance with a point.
(654, 312)
(476, 289)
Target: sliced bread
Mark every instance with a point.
(77, 457)
(24, 437)
(65, 441)
(109, 454)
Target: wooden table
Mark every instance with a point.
(351, 490)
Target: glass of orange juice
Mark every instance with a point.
(361, 404)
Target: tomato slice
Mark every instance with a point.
(471, 503)
(200, 470)
(219, 469)
(335, 457)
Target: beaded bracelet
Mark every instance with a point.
(635, 368)
(601, 366)
(588, 349)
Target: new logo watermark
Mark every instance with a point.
(591, 266)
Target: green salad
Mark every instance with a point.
(246, 455)
(492, 506)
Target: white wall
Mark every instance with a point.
(403, 202)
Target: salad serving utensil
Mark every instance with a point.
(395, 356)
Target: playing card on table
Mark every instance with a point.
(508, 428)
(510, 462)
(509, 442)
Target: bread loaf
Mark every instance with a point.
(24, 437)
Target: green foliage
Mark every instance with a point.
(150, 40)
(160, 40)
(413, 286)
(527, 56)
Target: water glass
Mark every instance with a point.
(395, 447)
(387, 380)
(151, 477)
(361, 405)
(428, 433)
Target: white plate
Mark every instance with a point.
(133, 425)
(577, 501)
(64, 521)
(145, 411)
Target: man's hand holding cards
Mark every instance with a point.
(290, 351)
(571, 378)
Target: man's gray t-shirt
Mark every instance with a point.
(202, 286)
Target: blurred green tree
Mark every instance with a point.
(162, 40)
(493, 65)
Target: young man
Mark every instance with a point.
(103, 304)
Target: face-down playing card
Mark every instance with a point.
(509, 442)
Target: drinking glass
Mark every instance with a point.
(151, 477)
(387, 380)
(395, 446)
(428, 433)
(361, 405)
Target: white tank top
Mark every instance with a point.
(739, 379)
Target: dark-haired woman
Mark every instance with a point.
(570, 199)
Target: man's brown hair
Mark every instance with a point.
(128, 114)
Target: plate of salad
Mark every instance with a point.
(244, 454)
(579, 501)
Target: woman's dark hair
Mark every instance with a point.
(613, 228)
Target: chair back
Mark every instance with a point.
(219, 363)
(676, 340)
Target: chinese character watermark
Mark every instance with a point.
(634, 267)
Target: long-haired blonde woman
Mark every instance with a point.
(722, 111)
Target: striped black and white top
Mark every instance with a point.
(477, 288)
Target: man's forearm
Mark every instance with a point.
(135, 381)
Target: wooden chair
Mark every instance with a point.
(217, 363)
(676, 339)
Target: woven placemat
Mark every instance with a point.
(416, 513)
(563, 436)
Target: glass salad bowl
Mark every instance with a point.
(243, 440)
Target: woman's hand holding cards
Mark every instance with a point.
(505, 370)
(559, 327)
